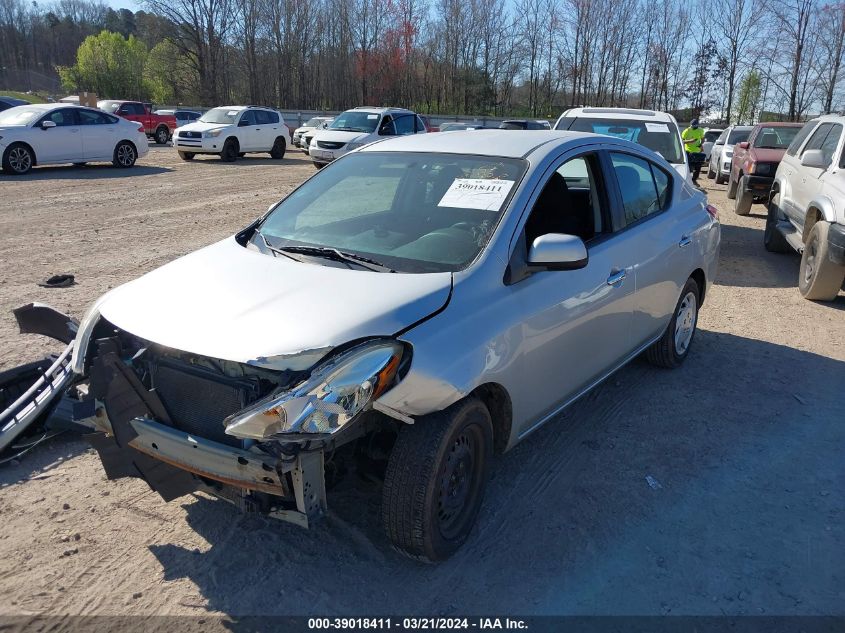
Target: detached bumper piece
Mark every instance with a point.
(30, 392)
(136, 438)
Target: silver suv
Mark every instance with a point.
(418, 304)
(807, 207)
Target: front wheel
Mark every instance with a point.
(319, 165)
(744, 198)
(124, 155)
(819, 278)
(435, 480)
(230, 151)
(278, 150)
(186, 155)
(672, 348)
(711, 173)
(720, 179)
(18, 159)
(731, 188)
(773, 239)
(162, 135)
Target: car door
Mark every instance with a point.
(62, 143)
(805, 182)
(790, 166)
(716, 152)
(247, 131)
(659, 226)
(268, 128)
(98, 134)
(575, 325)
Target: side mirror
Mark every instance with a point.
(243, 123)
(557, 251)
(743, 145)
(814, 158)
(720, 142)
(386, 130)
(46, 125)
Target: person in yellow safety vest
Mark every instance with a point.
(693, 137)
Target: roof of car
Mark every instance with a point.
(380, 110)
(619, 113)
(487, 142)
(779, 124)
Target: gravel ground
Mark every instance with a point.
(743, 448)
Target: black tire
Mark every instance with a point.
(435, 480)
(241, 154)
(80, 164)
(711, 174)
(230, 151)
(18, 159)
(773, 239)
(731, 188)
(187, 155)
(162, 135)
(319, 165)
(744, 198)
(278, 150)
(665, 352)
(819, 279)
(124, 155)
(720, 179)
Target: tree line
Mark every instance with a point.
(734, 59)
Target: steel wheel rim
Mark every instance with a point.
(19, 159)
(457, 483)
(162, 135)
(685, 323)
(125, 155)
(810, 261)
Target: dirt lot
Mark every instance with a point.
(745, 443)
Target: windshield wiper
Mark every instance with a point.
(275, 250)
(339, 256)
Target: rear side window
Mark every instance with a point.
(738, 136)
(404, 124)
(91, 117)
(817, 139)
(802, 135)
(831, 142)
(267, 117)
(644, 187)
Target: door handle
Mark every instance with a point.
(616, 278)
(685, 241)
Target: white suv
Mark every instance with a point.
(807, 207)
(658, 131)
(232, 131)
(357, 127)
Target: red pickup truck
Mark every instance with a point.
(159, 127)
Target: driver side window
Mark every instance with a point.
(570, 203)
(387, 128)
(63, 117)
(644, 187)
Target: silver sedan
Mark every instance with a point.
(423, 302)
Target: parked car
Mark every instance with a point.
(524, 124)
(710, 136)
(183, 117)
(55, 133)
(233, 131)
(158, 127)
(10, 102)
(456, 126)
(807, 207)
(658, 131)
(311, 124)
(357, 127)
(345, 321)
(429, 126)
(755, 162)
(722, 152)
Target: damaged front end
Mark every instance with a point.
(253, 436)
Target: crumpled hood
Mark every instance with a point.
(228, 302)
(767, 155)
(339, 136)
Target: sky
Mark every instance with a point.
(132, 5)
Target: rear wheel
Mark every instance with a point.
(18, 159)
(819, 278)
(435, 480)
(672, 348)
(744, 198)
(773, 239)
(124, 155)
(80, 164)
(162, 135)
(186, 155)
(230, 151)
(278, 149)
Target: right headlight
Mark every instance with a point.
(336, 392)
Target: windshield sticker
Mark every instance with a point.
(372, 116)
(476, 193)
(232, 113)
(657, 127)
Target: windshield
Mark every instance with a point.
(19, 115)
(711, 136)
(775, 137)
(313, 122)
(220, 115)
(415, 212)
(738, 136)
(355, 121)
(108, 106)
(662, 138)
